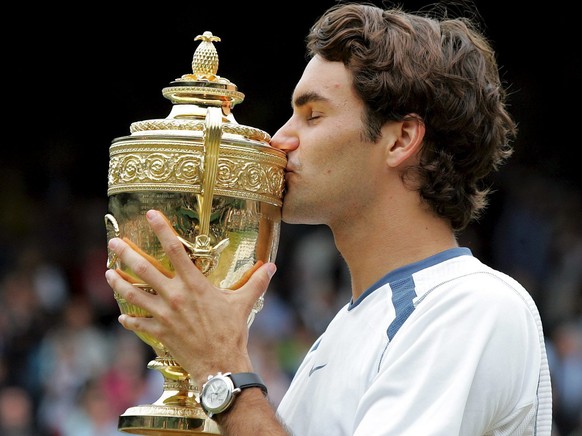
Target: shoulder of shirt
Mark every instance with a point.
(467, 276)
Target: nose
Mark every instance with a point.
(285, 138)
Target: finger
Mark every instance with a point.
(258, 282)
(246, 276)
(173, 247)
(130, 293)
(136, 323)
(161, 268)
(140, 266)
(125, 276)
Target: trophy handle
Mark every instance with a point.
(112, 230)
(204, 256)
(212, 137)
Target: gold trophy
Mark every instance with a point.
(221, 186)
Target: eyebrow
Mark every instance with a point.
(308, 97)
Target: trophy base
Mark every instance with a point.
(160, 420)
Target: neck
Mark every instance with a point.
(398, 239)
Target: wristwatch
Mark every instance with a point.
(219, 391)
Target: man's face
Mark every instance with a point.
(329, 163)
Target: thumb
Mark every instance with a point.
(259, 281)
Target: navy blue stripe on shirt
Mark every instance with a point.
(403, 288)
(403, 294)
(407, 270)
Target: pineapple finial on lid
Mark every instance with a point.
(205, 60)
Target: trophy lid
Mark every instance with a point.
(193, 93)
(199, 147)
(204, 86)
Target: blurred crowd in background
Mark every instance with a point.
(67, 368)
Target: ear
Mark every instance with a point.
(407, 137)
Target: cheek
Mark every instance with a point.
(342, 153)
(333, 151)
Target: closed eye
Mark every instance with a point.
(313, 116)
(303, 104)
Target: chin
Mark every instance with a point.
(294, 215)
(288, 216)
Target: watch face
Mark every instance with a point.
(216, 394)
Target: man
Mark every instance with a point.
(397, 120)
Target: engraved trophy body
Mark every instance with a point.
(221, 186)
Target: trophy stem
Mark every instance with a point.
(176, 411)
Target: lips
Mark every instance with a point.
(291, 167)
(290, 170)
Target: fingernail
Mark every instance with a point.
(271, 269)
(150, 214)
(113, 242)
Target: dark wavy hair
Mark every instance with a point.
(442, 70)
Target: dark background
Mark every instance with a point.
(79, 76)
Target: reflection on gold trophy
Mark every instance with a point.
(221, 186)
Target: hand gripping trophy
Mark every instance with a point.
(221, 186)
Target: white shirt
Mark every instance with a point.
(445, 346)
